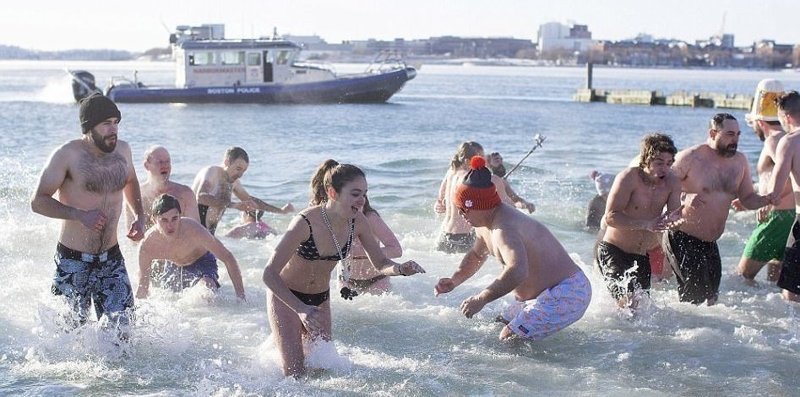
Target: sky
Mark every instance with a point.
(138, 25)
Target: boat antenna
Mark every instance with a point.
(537, 142)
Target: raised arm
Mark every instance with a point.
(519, 202)
(262, 205)
(391, 246)
(377, 256)
(439, 205)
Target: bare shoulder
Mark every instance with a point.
(69, 149)
(628, 173)
(793, 140)
(180, 190)
(691, 151)
(124, 148)
(193, 230)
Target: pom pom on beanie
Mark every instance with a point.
(477, 190)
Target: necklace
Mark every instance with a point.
(646, 179)
(344, 263)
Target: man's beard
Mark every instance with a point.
(728, 151)
(101, 144)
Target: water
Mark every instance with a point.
(408, 342)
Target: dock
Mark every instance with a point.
(645, 97)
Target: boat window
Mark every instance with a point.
(232, 58)
(253, 59)
(283, 57)
(201, 58)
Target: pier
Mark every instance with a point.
(646, 97)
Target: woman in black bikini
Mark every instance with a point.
(299, 271)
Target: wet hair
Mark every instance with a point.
(466, 150)
(789, 103)
(255, 214)
(332, 174)
(653, 145)
(716, 121)
(234, 153)
(318, 195)
(164, 203)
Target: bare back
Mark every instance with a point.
(547, 261)
(453, 222)
(765, 167)
(789, 154)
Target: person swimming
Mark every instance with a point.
(252, 227)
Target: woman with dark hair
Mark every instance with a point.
(298, 273)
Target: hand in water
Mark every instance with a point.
(288, 208)
(93, 219)
(506, 333)
(408, 268)
(311, 320)
(472, 305)
(444, 286)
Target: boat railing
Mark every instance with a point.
(117, 81)
(324, 66)
(386, 61)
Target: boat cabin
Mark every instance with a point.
(204, 58)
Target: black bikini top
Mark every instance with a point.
(308, 249)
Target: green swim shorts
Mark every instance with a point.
(768, 240)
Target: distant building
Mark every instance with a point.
(557, 37)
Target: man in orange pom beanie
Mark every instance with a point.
(477, 190)
(551, 291)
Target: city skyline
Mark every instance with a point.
(97, 24)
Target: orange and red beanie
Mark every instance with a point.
(477, 192)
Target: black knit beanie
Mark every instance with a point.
(95, 109)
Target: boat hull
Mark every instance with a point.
(367, 88)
